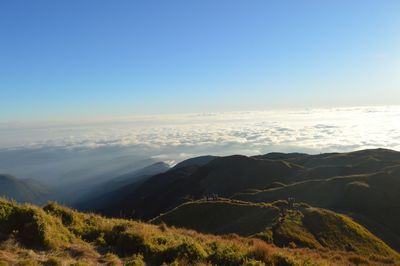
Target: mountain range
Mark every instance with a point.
(363, 184)
(344, 203)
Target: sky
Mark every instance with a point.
(80, 59)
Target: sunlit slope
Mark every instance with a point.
(372, 199)
(303, 226)
(55, 235)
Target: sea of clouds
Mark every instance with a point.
(185, 135)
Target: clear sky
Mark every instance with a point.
(68, 59)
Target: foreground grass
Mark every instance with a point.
(55, 235)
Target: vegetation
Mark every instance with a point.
(223, 216)
(371, 199)
(302, 226)
(364, 185)
(238, 229)
(55, 235)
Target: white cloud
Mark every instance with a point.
(308, 130)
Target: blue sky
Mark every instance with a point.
(68, 59)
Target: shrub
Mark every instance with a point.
(100, 239)
(31, 226)
(260, 251)
(129, 243)
(266, 236)
(66, 216)
(136, 260)
(174, 263)
(283, 260)
(111, 259)
(188, 250)
(226, 255)
(28, 262)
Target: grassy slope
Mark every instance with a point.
(313, 227)
(56, 235)
(222, 217)
(372, 199)
(305, 227)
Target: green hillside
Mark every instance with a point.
(303, 226)
(55, 235)
(222, 217)
(372, 199)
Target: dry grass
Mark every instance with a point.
(94, 240)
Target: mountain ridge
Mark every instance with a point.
(362, 184)
(22, 190)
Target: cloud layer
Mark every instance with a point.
(308, 130)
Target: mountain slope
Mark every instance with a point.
(303, 226)
(363, 184)
(118, 187)
(372, 199)
(196, 161)
(109, 195)
(232, 174)
(22, 190)
(224, 175)
(221, 217)
(152, 197)
(384, 156)
(78, 182)
(55, 235)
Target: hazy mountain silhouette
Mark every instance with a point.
(118, 187)
(196, 161)
(22, 190)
